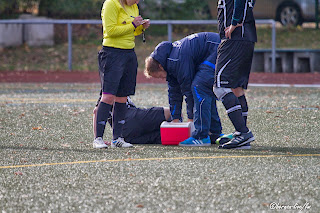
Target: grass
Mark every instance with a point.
(87, 42)
(48, 163)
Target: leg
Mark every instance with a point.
(204, 104)
(94, 120)
(104, 107)
(233, 107)
(215, 126)
(119, 113)
(202, 118)
(202, 113)
(233, 69)
(148, 138)
(109, 79)
(101, 113)
(127, 83)
(140, 123)
(239, 92)
(118, 120)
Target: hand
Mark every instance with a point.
(137, 21)
(228, 31)
(176, 121)
(146, 23)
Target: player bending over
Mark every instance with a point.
(189, 65)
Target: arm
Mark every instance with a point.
(186, 71)
(237, 17)
(238, 12)
(190, 104)
(143, 27)
(138, 30)
(175, 98)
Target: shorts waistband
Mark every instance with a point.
(116, 49)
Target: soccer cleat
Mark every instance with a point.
(241, 141)
(196, 142)
(120, 143)
(98, 143)
(226, 138)
(215, 137)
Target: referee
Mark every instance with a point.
(117, 65)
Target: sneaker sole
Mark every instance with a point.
(121, 146)
(195, 144)
(100, 147)
(241, 146)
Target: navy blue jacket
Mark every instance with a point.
(181, 60)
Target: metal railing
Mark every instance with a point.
(169, 24)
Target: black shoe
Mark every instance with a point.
(215, 137)
(243, 140)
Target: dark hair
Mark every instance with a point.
(151, 66)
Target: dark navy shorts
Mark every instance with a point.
(140, 121)
(234, 63)
(118, 71)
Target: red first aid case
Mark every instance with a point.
(174, 133)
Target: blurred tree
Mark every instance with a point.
(70, 8)
(175, 9)
(28, 6)
(200, 9)
(154, 9)
(8, 9)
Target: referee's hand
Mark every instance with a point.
(137, 21)
(146, 23)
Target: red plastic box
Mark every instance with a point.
(174, 133)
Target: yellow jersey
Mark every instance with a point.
(118, 30)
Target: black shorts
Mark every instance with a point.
(141, 121)
(118, 71)
(234, 63)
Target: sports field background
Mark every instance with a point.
(47, 163)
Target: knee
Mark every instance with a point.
(220, 92)
(95, 110)
(108, 98)
(121, 99)
(238, 91)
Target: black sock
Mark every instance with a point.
(119, 113)
(244, 105)
(234, 111)
(102, 117)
